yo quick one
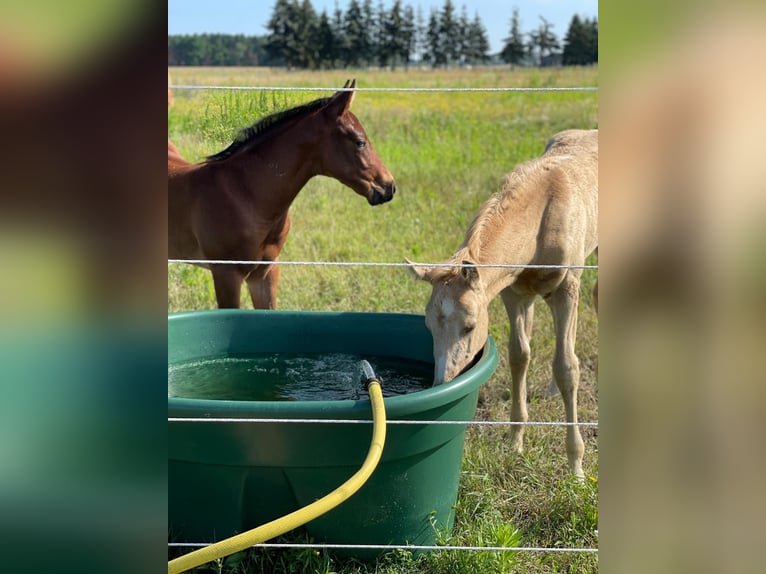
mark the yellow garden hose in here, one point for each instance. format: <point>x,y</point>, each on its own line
<point>305,514</point>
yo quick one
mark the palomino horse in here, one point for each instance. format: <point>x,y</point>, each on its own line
<point>234,206</point>
<point>546,214</point>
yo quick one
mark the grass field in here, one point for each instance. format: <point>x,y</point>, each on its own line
<point>448,152</point>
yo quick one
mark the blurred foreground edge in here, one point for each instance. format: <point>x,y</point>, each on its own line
<point>681,284</point>
<point>83,306</point>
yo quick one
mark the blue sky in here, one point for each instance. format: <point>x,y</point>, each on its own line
<point>250,16</point>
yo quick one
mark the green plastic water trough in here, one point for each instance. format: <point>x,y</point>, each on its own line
<point>225,478</point>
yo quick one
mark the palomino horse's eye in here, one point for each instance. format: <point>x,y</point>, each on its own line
<point>468,328</point>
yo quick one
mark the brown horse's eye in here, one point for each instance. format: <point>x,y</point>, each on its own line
<point>361,144</point>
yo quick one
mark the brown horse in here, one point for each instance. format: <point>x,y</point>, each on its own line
<point>234,206</point>
<point>546,214</point>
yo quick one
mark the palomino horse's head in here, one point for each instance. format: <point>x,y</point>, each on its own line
<point>349,156</point>
<point>456,315</point>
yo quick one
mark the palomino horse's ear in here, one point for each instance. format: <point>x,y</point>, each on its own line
<point>470,274</point>
<point>418,271</point>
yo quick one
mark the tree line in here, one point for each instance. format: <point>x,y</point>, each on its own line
<point>368,35</point>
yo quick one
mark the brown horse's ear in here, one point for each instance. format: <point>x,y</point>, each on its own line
<point>342,101</point>
<point>470,274</point>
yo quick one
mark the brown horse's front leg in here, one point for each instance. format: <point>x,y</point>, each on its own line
<point>262,284</point>
<point>227,280</point>
<point>264,279</point>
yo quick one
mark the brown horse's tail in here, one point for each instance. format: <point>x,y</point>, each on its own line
<point>170,93</point>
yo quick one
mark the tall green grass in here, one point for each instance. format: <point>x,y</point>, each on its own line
<point>448,152</point>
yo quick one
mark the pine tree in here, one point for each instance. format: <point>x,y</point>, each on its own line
<point>478,44</point>
<point>513,51</point>
<point>383,41</point>
<point>581,42</point>
<point>299,37</point>
<point>394,46</point>
<point>341,46</point>
<point>327,44</point>
<point>434,51</point>
<point>543,40</point>
<point>353,31</point>
<point>281,26</point>
<point>306,44</point>
<point>576,44</point>
<point>591,26</point>
<point>463,26</point>
<point>449,33</point>
<point>409,33</point>
<point>369,30</point>
<point>421,35</point>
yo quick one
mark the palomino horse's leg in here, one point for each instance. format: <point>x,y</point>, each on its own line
<point>553,388</point>
<point>521,314</point>
<point>263,287</point>
<point>566,367</point>
<point>227,280</point>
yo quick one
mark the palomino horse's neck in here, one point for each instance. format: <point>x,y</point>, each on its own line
<point>489,242</point>
<point>494,279</point>
<point>519,226</point>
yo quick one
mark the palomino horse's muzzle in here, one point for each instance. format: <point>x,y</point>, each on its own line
<point>382,193</point>
<point>471,364</point>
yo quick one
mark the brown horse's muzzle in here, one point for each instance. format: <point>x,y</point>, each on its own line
<point>382,193</point>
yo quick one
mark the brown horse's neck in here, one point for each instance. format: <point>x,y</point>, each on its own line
<point>270,176</point>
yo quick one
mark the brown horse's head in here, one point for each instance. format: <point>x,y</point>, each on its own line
<point>349,156</point>
<point>456,315</point>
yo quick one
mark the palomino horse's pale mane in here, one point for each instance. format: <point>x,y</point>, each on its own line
<point>492,210</point>
<point>262,129</point>
<point>521,180</point>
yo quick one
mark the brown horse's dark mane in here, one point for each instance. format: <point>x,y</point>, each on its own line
<point>265,127</point>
